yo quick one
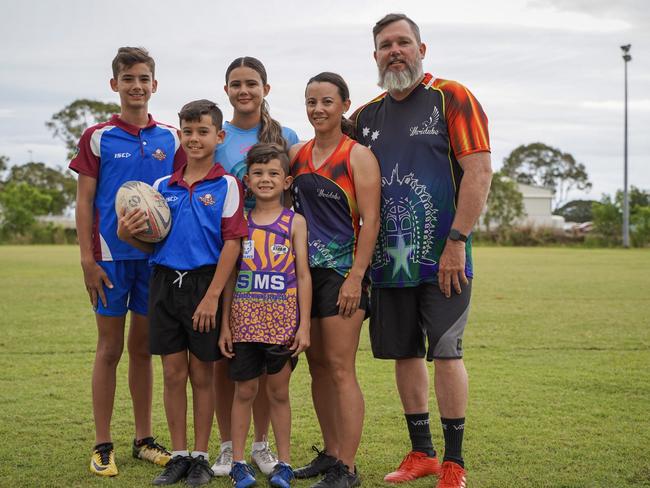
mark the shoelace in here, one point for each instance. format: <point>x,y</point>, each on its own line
<point>410,457</point>
<point>152,444</point>
<point>452,476</point>
<point>174,465</point>
<point>225,457</point>
<point>319,453</point>
<point>266,455</point>
<point>203,463</point>
<point>179,280</point>
<point>284,471</point>
<point>105,453</point>
<point>239,470</point>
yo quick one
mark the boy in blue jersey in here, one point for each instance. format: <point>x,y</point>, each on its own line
<point>130,146</point>
<point>191,268</point>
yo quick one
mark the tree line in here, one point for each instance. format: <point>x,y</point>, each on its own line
<point>34,189</point>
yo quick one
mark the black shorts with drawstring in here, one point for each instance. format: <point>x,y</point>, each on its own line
<point>173,298</point>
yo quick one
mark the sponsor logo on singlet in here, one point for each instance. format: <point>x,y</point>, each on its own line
<point>261,281</point>
<point>248,249</point>
<point>279,249</point>
<point>122,155</point>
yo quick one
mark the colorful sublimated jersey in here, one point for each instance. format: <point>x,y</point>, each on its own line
<point>232,153</point>
<point>418,142</point>
<point>325,196</point>
<point>113,153</point>
<point>204,216</point>
<point>265,303</point>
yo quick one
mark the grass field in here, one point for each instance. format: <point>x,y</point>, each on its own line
<point>558,353</point>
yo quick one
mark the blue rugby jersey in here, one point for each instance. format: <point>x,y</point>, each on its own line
<point>113,153</point>
<point>204,216</point>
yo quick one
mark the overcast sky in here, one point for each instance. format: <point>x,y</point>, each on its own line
<point>544,70</point>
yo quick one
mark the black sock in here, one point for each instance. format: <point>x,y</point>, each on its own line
<point>453,431</point>
<point>418,424</point>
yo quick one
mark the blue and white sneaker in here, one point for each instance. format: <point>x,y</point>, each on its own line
<point>281,476</point>
<point>242,475</point>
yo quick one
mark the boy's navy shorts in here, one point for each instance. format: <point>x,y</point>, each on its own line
<point>325,284</point>
<point>130,290</point>
<point>253,359</point>
<point>173,298</point>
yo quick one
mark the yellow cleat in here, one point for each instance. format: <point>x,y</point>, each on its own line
<point>149,450</point>
<point>102,463</point>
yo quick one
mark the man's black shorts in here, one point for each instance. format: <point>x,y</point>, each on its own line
<point>253,359</point>
<point>404,320</point>
<point>173,298</point>
<point>325,284</point>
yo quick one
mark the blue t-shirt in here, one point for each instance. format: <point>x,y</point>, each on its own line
<point>232,153</point>
<point>204,215</point>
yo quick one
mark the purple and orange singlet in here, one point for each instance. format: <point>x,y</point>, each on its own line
<point>265,303</point>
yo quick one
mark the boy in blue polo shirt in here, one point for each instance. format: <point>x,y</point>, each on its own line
<point>130,146</point>
<point>191,268</point>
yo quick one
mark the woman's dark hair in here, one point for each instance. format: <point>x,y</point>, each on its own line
<point>270,129</point>
<point>344,92</point>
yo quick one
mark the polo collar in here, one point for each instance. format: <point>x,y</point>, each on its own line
<point>215,172</point>
<point>132,129</point>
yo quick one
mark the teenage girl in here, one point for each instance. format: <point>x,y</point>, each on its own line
<point>246,87</point>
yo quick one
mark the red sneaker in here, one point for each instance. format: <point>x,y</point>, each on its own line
<point>415,465</point>
<point>452,475</point>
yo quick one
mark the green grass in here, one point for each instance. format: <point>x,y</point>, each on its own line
<point>557,349</point>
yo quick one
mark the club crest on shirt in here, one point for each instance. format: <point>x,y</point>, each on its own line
<point>428,127</point>
<point>248,249</point>
<point>207,199</point>
<point>159,154</point>
<point>279,249</point>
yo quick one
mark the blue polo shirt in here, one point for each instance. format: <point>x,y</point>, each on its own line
<point>204,216</point>
<point>113,153</point>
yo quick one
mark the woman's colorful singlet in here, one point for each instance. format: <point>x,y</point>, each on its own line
<point>326,198</point>
<point>265,303</point>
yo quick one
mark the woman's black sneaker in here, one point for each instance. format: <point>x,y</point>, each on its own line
<point>200,472</point>
<point>339,476</point>
<point>175,471</point>
<point>319,465</point>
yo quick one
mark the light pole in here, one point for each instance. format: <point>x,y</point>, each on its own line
<point>626,203</point>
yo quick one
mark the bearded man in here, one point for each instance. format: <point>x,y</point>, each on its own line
<point>431,139</point>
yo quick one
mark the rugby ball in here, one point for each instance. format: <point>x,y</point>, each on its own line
<point>137,194</point>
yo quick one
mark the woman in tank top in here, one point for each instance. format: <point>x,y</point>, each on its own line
<point>336,188</point>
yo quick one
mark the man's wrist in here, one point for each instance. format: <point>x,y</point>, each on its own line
<point>456,236</point>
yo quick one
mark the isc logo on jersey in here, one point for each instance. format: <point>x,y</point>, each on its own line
<point>264,281</point>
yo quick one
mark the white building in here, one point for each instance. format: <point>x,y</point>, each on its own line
<point>538,207</point>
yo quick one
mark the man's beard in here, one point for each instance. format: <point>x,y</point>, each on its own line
<point>400,80</point>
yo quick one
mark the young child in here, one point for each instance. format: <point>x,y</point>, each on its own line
<point>130,146</point>
<point>191,268</point>
<point>247,88</point>
<point>265,329</point>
